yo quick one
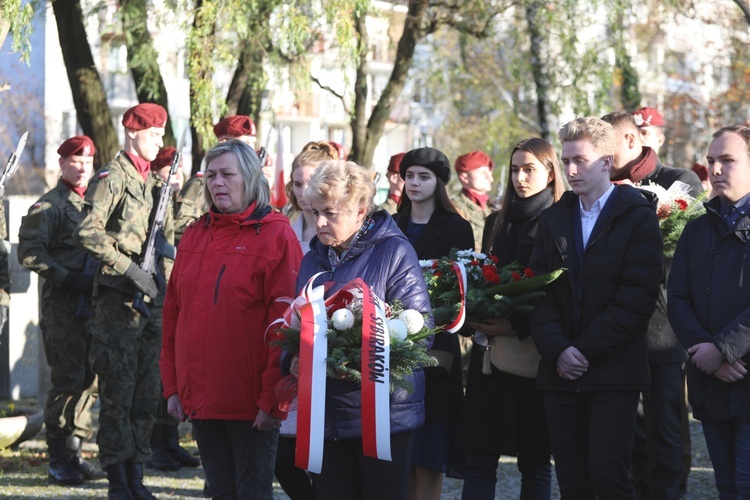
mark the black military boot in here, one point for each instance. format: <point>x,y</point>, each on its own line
<point>135,481</point>
<point>118,482</point>
<point>160,459</point>
<point>177,452</point>
<point>60,470</point>
<point>89,471</point>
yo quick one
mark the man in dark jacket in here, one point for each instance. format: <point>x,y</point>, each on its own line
<point>709,309</point>
<point>661,455</point>
<point>590,328</point>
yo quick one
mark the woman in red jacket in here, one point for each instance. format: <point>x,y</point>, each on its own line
<point>216,363</point>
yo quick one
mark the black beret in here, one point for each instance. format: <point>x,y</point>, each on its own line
<point>429,158</point>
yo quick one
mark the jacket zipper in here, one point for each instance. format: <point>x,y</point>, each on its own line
<point>218,281</point>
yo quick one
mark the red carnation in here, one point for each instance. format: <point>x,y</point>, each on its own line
<point>681,204</point>
<point>438,274</point>
<point>474,262</point>
<point>494,259</point>
<point>490,274</point>
<point>515,276</point>
<point>435,265</point>
<point>528,272</point>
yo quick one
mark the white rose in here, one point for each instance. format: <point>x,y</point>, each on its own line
<point>342,320</point>
<point>412,319</point>
<point>397,329</point>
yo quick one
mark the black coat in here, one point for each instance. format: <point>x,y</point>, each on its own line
<point>663,346</point>
<point>603,303</point>
<point>443,384</point>
<point>709,301</point>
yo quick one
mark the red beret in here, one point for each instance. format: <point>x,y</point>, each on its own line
<point>143,116</point>
<point>164,158</point>
<point>395,163</point>
<point>235,126</point>
<point>472,161</point>
<point>79,145</point>
<point>648,117</point>
<point>701,171</point>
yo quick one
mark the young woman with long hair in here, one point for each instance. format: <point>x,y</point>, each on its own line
<point>503,413</point>
<point>429,220</point>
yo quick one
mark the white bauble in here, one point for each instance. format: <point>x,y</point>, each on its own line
<point>413,320</point>
<point>342,320</point>
<point>397,329</point>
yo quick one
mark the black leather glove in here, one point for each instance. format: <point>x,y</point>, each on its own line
<point>80,281</point>
<point>142,280</point>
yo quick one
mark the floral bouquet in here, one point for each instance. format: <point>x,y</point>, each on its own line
<point>406,329</point>
<point>675,209</point>
<point>488,292</point>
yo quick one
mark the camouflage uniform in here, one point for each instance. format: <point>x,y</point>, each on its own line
<point>47,247</point>
<point>125,345</point>
<point>389,206</point>
<point>189,205</point>
<point>473,213</point>
<point>4,273</point>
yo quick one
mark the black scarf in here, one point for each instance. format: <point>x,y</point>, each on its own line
<point>520,219</point>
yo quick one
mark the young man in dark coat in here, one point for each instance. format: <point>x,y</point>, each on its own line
<point>590,328</point>
<point>709,309</point>
<point>661,455</point>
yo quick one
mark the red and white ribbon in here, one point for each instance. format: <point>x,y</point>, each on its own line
<point>376,416</point>
<point>457,323</point>
<point>311,391</point>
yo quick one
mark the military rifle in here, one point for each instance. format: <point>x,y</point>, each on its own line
<point>264,149</point>
<point>157,246</point>
<point>12,165</point>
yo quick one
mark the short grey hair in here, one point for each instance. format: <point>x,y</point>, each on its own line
<point>256,186</point>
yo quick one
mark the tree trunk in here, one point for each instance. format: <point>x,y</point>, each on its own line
<point>366,137</point>
<point>143,59</point>
<point>538,70</point>
<point>88,93</point>
<point>200,72</point>
<point>249,81</point>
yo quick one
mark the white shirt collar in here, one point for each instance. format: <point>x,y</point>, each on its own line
<point>597,206</point>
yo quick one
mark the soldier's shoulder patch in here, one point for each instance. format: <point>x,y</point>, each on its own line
<point>103,174</point>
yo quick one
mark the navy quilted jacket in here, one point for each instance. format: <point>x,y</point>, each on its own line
<point>386,261</point>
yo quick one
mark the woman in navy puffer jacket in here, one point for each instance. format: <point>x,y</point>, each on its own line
<point>354,243</point>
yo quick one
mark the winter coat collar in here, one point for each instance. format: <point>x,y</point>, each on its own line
<point>385,227</point>
<point>251,215</point>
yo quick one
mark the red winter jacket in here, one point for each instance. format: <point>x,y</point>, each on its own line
<point>229,271</point>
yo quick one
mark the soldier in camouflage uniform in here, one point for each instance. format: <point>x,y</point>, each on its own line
<point>475,175</point>
<point>166,452</point>
<point>396,184</point>
<point>47,247</point>
<point>126,343</point>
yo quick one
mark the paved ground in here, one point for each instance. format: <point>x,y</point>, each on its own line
<point>23,475</point>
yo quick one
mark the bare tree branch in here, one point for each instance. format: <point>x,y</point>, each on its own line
<point>745,7</point>
<point>317,82</point>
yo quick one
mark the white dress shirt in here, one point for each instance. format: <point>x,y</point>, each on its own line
<point>588,218</point>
